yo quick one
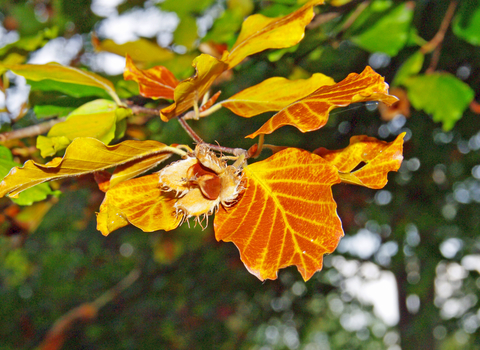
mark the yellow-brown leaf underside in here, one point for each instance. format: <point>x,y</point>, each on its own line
<point>311,112</point>
<point>380,157</point>
<point>286,215</point>
<point>83,156</point>
<point>139,202</point>
<point>274,94</point>
<point>190,90</point>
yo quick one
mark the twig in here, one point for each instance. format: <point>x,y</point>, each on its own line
<point>436,43</point>
<point>57,335</point>
<point>198,139</point>
<point>143,110</point>
<point>189,130</point>
<point>30,131</point>
<point>353,17</point>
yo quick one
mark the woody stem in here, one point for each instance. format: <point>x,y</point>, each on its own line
<point>198,139</point>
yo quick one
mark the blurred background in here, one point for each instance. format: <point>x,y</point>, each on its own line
<point>406,274</point>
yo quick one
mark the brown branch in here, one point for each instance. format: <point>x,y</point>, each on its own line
<point>435,44</point>
<point>144,110</point>
<point>57,335</point>
<point>30,131</point>
<point>198,139</point>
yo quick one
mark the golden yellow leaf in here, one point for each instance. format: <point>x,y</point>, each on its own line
<point>285,216</point>
<point>139,202</point>
<point>83,156</point>
<point>189,91</point>
<point>311,113</point>
<point>274,94</point>
<point>260,33</point>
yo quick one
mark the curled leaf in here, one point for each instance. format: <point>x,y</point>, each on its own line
<point>274,94</point>
<point>83,156</point>
<point>191,90</point>
<point>260,33</point>
<point>380,158</point>
<point>156,82</point>
<point>286,215</point>
<point>139,202</point>
<point>311,113</point>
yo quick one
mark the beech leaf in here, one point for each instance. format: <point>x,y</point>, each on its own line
<point>188,91</point>
<point>156,82</point>
<point>57,72</point>
<point>442,95</point>
<point>311,113</point>
<point>94,119</point>
<point>274,94</point>
<point>260,33</point>
<point>380,157</point>
<point>83,156</point>
<point>286,215</point>
<point>139,202</point>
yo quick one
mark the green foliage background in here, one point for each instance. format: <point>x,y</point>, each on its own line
<point>194,293</point>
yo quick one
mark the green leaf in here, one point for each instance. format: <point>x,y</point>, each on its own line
<point>186,32</point>
<point>441,95</point>
<point>95,119</point>
<point>389,34</point>
<point>29,196</point>
<point>74,90</point>
<point>412,66</point>
<point>466,24</point>
<point>185,6</point>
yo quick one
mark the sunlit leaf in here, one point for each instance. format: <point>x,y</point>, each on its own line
<point>442,95</point>
<point>380,158</point>
<point>95,119</point>
<point>136,167</point>
<point>260,33</point>
<point>139,202</point>
<point>83,156</point>
<point>208,68</point>
<point>156,82</point>
<point>286,215</point>
<point>311,112</point>
<point>141,50</point>
<point>57,72</point>
<point>274,94</point>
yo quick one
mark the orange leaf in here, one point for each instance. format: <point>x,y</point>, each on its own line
<point>380,157</point>
<point>84,155</point>
<point>156,82</point>
<point>286,215</point>
<point>210,102</point>
<point>260,33</point>
<point>190,90</point>
<point>311,112</point>
<point>139,202</point>
<point>274,94</point>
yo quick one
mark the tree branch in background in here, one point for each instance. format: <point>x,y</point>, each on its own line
<point>436,43</point>
<point>30,131</point>
<point>57,335</point>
